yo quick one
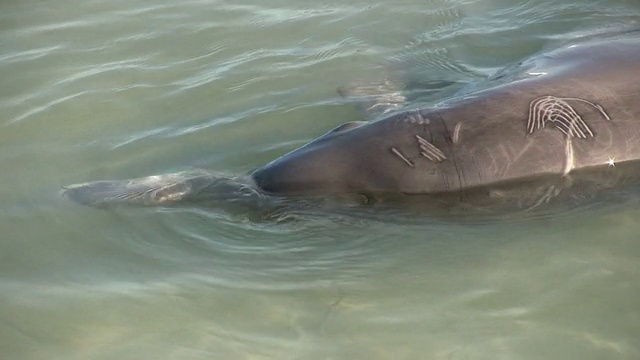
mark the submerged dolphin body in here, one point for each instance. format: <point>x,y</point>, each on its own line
<point>565,121</point>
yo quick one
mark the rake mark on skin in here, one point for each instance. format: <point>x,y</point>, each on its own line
<point>402,157</point>
<point>559,111</point>
<point>430,151</point>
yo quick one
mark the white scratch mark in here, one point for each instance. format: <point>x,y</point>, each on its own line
<point>569,158</point>
<point>430,151</point>
<point>456,133</point>
<point>401,156</point>
<point>558,111</point>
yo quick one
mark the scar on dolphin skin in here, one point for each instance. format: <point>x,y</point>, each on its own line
<point>402,157</point>
<point>456,133</point>
<point>430,151</point>
<point>417,118</point>
<point>558,111</point>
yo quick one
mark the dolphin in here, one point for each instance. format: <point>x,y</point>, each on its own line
<point>562,122</point>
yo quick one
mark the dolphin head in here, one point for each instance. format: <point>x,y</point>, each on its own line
<point>325,165</point>
<point>354,158</point>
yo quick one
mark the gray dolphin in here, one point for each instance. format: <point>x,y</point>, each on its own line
<point>565,121</point>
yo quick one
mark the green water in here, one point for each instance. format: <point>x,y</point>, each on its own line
<point>117,89</point>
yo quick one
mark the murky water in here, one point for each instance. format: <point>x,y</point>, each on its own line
<point>118,89</point>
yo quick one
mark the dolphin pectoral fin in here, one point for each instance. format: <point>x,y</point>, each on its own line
<point>375,98</point>
<point>151,190</point>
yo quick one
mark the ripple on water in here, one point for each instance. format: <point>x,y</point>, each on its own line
<point>267,255</point>
<point>116,89</point>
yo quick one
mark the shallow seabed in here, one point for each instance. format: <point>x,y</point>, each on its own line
<point>118,89</point>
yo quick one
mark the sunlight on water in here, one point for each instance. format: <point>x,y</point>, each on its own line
<point>121,89</point>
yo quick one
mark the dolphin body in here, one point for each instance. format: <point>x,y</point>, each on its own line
<point>564,122</point>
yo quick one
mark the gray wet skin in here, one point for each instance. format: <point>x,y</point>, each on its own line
<point>558,115</point>
<point>567,110</point>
